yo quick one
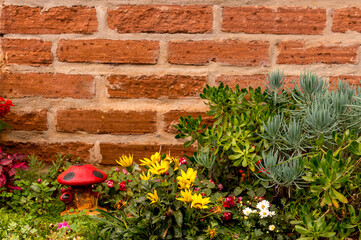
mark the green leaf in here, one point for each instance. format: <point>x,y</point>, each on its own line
<point>178,215</point>
<point>237,191</point>
<point>355,148</point>
<point>328,234</point>
<point>339,196</point>
<point>301,229</point>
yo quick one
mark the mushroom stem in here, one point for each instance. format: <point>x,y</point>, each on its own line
<point>83,197</point>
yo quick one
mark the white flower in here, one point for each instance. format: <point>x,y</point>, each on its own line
<point>263,205</point>
<point>247,211</point>
<point>271,227</point>
<point>264,213</point>
<point>272,213</point>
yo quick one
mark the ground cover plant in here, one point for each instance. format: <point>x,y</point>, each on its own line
<point>274,164</point>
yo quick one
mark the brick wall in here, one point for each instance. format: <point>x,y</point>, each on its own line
<point>98,79</point>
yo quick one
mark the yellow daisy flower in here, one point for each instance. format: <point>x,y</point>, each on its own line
<point>145,177</point>
<point>159,169</point>
<point>186,179</point>
<point>125,161</point>
<point>153,159</point>
<point>199,202</point>
<point>153,197</point>
<point>186,196</point>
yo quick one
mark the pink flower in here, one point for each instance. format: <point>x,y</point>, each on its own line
<point>196,189</point>
<point>203,194</point>
<point>226,216</point>
<point>64,224</point>
<point>220,187</point>
<point>240,199</point>
<point>229,202</point>
<point>167,172</point>
<point>110,183</point>
<point>39,180</point>
<point>116,169</point>
<point>182,160</point>
<point>129,180</point>
<point>125,171</point>
<point>211,181</point>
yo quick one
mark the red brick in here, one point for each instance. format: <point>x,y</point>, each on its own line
<point>27,51</point>
<point>297,52</point>
<point>47,151</point>
<point>115,122</point>
<point>161,19</point>
<point>230,52</point>
<point>111,151</point>
<point>346,19</point>
<point>172,118</point>
<point>27,121</point>
<point>57,20</point>
<point>47,85</point>
<point>108,51</point>
<point>254,81</point>
<point>171,86</point>
<point>283,20</point>
<point>352,80</point>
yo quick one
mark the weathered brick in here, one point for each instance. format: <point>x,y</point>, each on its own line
<point>172,118</point>
<point>171,86</point>
<point>351,79</point>
<point>297,52</point>
<point>27,51</point>
<point>246,81</point>
<point>56,20</point>
<point>47,151</point>
<point>47,85</point>
<point>108,51</point>
<point>283,20</point>
<point>230,52</point>
<point>27,121</point>
<point>115,122</point>
<point>161,19</point>
<point>110,151</point>
<point>346,19</point>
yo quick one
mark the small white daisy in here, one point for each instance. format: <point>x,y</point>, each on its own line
<point>247,211</point>
<point>264,213</point>
<point>271,227</point>
<point>272,213</point>
<point>263,205</point>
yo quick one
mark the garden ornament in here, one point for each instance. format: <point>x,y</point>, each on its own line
<point>79,195</point>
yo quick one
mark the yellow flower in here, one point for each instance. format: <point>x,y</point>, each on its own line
<point>153,159</point>
<point>125,161</point>
<point>199,202</point>
<point>145,177</point>
<point>159,169</point>
<point>186,196</point>
<point>176,164</point>
<point>153,197</point>
<point>186,180</point>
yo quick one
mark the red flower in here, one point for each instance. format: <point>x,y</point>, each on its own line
<point>5,107</point>
<point>229,202</point>
<point>123,186</point>
<point>226,216</point>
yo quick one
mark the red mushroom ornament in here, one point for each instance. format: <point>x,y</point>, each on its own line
<point>81,177</point>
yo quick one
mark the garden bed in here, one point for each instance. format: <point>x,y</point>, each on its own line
<point>273,164</point>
